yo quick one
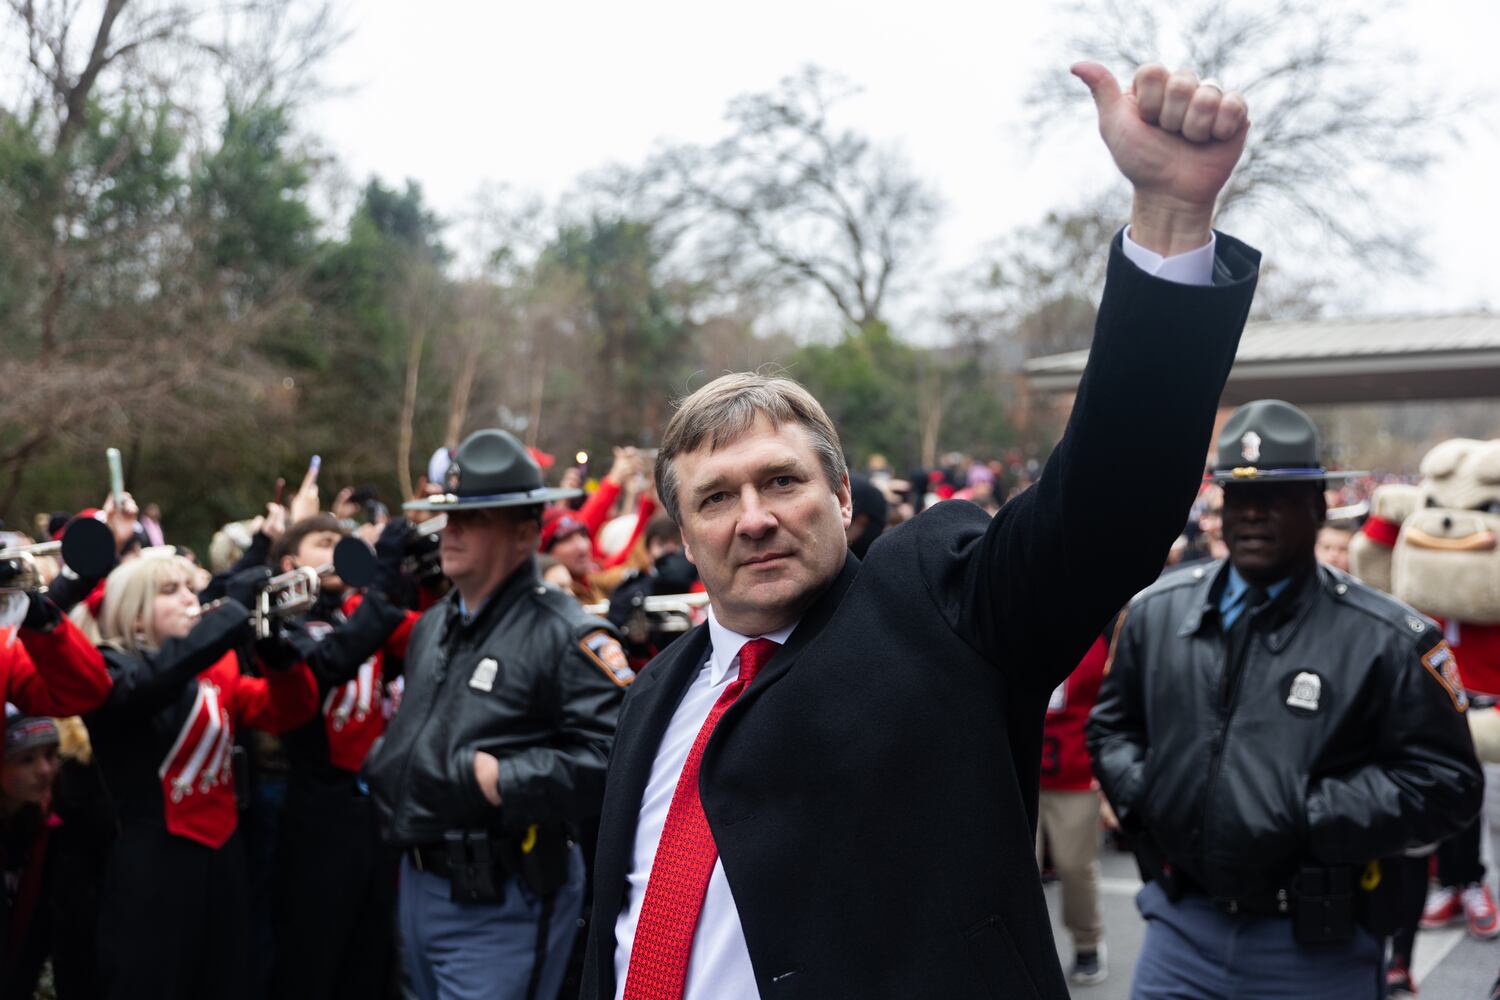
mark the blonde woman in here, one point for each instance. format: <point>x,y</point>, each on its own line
<point>173,919</point>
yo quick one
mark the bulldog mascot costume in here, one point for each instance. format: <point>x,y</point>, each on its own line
<point>1434,547</point>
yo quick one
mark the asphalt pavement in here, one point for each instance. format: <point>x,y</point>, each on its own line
<point>1449,964</point>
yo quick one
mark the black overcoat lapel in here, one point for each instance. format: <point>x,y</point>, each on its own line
<point>652,700</point>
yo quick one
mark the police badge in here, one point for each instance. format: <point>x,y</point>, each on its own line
<point>1250,447</point>
<point>1306,692</point>
<point>483,678</point>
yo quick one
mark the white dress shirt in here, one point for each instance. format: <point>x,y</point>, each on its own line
<point>720,964</point>
<point>719,968</point>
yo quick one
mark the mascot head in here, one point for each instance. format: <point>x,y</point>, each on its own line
<point>1370,549</point>
<point>1446,561</point>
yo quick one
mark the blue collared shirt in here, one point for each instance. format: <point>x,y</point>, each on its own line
<point>1232,601</point>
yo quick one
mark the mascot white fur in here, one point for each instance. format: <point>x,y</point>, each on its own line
<point>1435,547</point>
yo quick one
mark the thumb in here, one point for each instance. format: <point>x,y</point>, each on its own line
<point>1101,83</point>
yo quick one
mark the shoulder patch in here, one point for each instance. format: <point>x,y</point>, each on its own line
<point>1114,641</point>
<point>1440,663</point>
<point>606,653</point>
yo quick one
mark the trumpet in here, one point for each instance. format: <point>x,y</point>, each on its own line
<point>19,569</point>
<point>661,613</point>
<point>282,597</point>
<point>87,548</point>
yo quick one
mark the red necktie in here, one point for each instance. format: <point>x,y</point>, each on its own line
<point>685,858</point>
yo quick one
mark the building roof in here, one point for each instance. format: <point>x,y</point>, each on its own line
<point>1342,360</point>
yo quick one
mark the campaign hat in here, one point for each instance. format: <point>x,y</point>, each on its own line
<point>491,468</point>
<point>1271,441</point>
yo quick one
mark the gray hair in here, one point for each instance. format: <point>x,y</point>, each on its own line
<point>724,409</point>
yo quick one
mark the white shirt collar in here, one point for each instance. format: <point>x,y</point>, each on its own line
<point>727,644</point>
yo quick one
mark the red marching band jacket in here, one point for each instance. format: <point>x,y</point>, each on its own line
<point>197,780</point>
<point>355,713</point>
<point>52,673</point>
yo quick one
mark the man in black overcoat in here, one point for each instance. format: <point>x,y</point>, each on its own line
<point>829,789</point>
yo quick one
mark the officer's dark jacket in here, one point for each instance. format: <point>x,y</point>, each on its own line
<point>1337,738</point>
<point>873,793</point>
<point>546,708</point>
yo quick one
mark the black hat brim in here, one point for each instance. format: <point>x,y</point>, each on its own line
<point>448,501</point>
<point>1251,475</point>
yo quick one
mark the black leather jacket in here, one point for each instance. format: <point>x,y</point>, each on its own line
<point>532,680</point>
<point>1336,736</point>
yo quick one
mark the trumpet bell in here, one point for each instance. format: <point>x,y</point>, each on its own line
<point>87,547</point>
<point>292,593</point>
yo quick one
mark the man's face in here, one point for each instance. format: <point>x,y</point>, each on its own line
<point>316,550</point>
<point>658,547</point>
<point>1271,529</point>
<point>1333,547</point>
<point>762,526</point>
<point>576,552</point>
<point>480,548</point>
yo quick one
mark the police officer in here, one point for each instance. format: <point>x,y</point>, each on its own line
<point>499,747</point>
<point>1273,733</point>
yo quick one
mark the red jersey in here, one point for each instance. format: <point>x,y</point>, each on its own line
<point>1065,753</point>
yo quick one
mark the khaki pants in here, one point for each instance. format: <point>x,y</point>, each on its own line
<point>1069,827</point>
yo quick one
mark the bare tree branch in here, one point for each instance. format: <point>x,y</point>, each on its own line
<point>790,198</point>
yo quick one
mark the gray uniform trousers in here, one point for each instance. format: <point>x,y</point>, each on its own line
<point>1194,951</point>
<point>488,951</point>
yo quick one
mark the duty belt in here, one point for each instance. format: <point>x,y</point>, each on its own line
<point>431,858</point>
<point>1276,902</point>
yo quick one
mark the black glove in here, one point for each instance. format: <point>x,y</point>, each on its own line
<point>41,614</point>
<point>276,651</point>
<point>390,551</point>
<point>246,585</point>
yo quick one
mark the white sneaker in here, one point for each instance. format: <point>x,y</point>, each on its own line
<point>1089,967</point>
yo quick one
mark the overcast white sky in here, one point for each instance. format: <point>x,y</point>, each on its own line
<point>533,95</point>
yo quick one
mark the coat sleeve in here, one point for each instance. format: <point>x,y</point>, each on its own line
<point>256,555</point>
<point>1117,738</point>
<point>335,659</point>
<point>1425,783</point>
<point>153,682</point>
<point>1057,561</point>
<point>68,591</point>
<point>595,510</point>
<point>279,701</point>
<point>55,671</point>
<point>643,513</point>
<point>563,780</point>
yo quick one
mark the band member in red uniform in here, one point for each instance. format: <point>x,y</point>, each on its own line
<point>173,908</point>
<point>335,883</point>
<point>1068,827</point>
